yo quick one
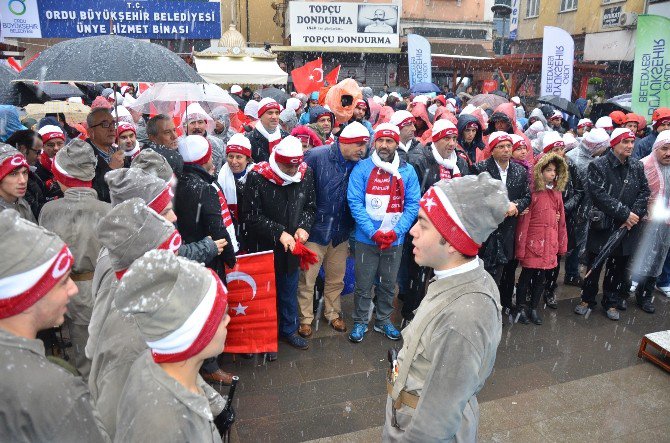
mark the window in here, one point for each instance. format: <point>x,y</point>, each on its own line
<point>532,8</point>
<point>568,5</point>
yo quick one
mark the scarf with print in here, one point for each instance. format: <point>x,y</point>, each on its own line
<point>385,192</point>
<point>270,170</point>
<point>448,167</point>
<point>273,138</point>
<point>226,215</point>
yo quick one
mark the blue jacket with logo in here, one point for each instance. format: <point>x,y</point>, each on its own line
<point>365,226</point>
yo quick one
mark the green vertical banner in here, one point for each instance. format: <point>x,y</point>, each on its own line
<point>651,75</point>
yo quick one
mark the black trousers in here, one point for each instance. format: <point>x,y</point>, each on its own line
<point>615,284</point>
<point>504,276</point>
<point>645,289</point>
<point>551,277</point>
<point>530,288</point>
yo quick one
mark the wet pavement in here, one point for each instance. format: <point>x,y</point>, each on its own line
<point>584,370</point>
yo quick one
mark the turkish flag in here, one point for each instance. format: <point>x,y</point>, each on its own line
<point>308,78</point>
<point>252,305</point>
<point>331,77</point>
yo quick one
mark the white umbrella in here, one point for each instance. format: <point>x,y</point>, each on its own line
<point>165,97</point>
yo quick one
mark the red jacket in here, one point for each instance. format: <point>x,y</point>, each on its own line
<point>539,237</point>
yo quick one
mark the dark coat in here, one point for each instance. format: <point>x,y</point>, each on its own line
<point>499,247</point>
<point>605,183</point>
<point>35,194</point>
<point>51,188</point>
<point>478,143</point>
<point>267,210</point>
<point>199,214</point>
<point>260,148</point>
<point>172,156</point>
<point>427,169</point>
<point>102,168</point>
<point>414,146</point>
<point>573,197</point>
<point>332,220</point>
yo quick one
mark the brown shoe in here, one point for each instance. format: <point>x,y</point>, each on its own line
<point>305,331</point>
<point>220,376</point>
<point>339,325</point>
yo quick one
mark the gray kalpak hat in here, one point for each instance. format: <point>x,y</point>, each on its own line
<point>127,183</point>
<point>132,228</point>
<point>465,210</point>
<point>153,163</point>
<point>177,304</point>
<point>10,159</point>
<point>74,165</point>
<point>32,261</point>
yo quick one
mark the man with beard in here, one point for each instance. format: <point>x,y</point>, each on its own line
<point>163,140</point>
<point>197,122</point>
<point>53,139</point>
<point>383,197</point>
<point>101,137</point>
<point>322,121</point>
<point>406,124</point>
<point>266,134</point>
<point>362,115</point>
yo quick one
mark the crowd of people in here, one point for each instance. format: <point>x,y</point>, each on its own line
<point>114,218</point>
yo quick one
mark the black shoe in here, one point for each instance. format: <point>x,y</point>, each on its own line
<point>621,304</point>
<point>550,300</point>
<point>535,317</point>
<point>296,341</point>
<point>573,280</point>
<point>647,306</point>
<point>523,318</point>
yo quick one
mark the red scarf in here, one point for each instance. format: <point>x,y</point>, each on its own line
<point>45,161</point>
<point>226,217</point>
<point>445,174</point>
<point>382,184</point>
<point>264,169</point>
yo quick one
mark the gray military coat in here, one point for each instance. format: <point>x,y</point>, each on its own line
<point>155,407</point>
<point>453,359</point>
<point>40,401</point>
<point>21,206</point>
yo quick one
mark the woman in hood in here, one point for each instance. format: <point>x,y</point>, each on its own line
<point>503,118</point>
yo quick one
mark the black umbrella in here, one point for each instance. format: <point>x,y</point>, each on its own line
<point>561,103</point>
<point>277,94</point>
<point>601,109</point>
<point>6,92</point>
<point>108,59</point>
<point>607,248</point>
<point>240,101</point>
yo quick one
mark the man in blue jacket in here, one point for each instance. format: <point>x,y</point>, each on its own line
<point>383,198</point>
<point>332,165</point>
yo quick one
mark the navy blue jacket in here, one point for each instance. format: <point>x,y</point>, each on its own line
<point>332,220</point>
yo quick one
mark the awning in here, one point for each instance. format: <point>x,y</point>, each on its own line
<point>335,49</point>
<point>459,50</point>
<point>244,70</point>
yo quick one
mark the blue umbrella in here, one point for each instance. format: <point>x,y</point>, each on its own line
<point>425,87</point>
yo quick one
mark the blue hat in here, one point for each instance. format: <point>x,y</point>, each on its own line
<point>314,95</point>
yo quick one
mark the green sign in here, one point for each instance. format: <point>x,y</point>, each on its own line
<point>651,75</point>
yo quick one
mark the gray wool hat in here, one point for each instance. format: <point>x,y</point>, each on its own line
<point>177,303</point>
<point>127,183</point>
<point>130,229</point>
<point>153,163</point>
<point>75,163</point>
<point>475,204</point>
<point>26,247</point>
<point>7,151</point>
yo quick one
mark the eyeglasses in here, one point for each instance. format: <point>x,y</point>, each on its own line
<point>105,124</point>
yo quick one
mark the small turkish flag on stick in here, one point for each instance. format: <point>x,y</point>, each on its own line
<point>308,78</point>
<point>331,77</point>
<point>252,305</point>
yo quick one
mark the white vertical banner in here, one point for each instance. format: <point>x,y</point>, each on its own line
<point>558,55</point>
<point>514,19</point>
<point>20,19</point>
<point>419,59</point>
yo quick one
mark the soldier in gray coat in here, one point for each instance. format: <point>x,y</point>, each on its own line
<point>14,181</point>
<point>127,232</point>
<point>180,308</point>
<point>450,346</point>
<point>39,401</point>
<point>74,218</point>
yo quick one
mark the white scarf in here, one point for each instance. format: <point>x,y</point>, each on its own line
<point>276,135</point>
<point>227,181</point>
<point>288,179</point>
<point>391,168</point>
<point>449,163</point>
<point>136,150</point>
